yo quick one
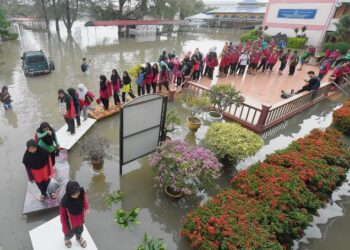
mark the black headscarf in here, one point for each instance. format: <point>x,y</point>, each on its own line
<point>155,70</point>
<point>148,69</point>
<point>115,77</point>
<point>126,79</point>
<point>48,139</point>
<point>103,82</point>
<point>74,206</point>
<point>66,98</point>
<point>36,160</point>
<point>74,95</point>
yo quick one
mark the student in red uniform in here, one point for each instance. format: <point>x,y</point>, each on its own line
<point>254,61</point>
<point>149,77</point>
<point>211,61</point>
<point>86,97</point>
<point>73,209</point>
<point>334,56</point>
<point>163,78</point>
<point>234,57</point>
<point>223,64</point>
<point>346,68</point>
<point>271,61</point>
<point>39,167</point>
<point>338,74</point>
<point>66,108</point>
<point>105,91</point>
<point>116,84</point>
<point>265,54</point>
<point>155,70</point>
<point>196,67</point>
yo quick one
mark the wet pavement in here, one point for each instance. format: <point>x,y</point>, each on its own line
<point>35,101</point>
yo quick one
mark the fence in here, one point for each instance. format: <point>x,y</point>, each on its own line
<point>259,119</point>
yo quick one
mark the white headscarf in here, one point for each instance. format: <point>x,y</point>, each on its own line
<point>82,91</point>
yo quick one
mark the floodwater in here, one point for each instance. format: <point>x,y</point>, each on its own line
<point>35,101</point>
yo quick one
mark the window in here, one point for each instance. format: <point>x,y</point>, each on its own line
<point>36,59</point>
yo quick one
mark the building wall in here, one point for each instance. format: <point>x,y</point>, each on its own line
<point>316,26</point>
<point>245,15</point>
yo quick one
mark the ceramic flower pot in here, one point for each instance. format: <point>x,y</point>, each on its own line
<point>194,123</point>
<point>214,116</point>
<point>172,193</point>
<point>97,165</point>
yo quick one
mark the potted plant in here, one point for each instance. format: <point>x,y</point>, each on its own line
<point>222,97</point>
<point>232,143</point>
<point>150,243</point>
<point>197,103</point>
<point>171,119</point>
<point>181,168</point>
<point>95,149</point>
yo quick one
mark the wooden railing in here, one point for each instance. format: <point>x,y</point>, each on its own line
<point>259,119</point>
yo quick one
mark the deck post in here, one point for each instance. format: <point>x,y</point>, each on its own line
<point>263,116</point>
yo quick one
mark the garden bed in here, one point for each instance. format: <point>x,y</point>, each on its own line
<point>271,203</point>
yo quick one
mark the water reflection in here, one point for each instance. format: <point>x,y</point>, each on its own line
<point>97,190</point>
<point>11,118</point>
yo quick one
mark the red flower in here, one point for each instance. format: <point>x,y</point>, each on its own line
<point>211,230</point>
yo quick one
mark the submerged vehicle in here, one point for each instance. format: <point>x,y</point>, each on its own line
<point>35,62</point>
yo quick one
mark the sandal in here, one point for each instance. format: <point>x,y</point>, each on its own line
<point>42,198</point>
<point>53,196</point>
<point>68,243</point>
<point>82,242</point>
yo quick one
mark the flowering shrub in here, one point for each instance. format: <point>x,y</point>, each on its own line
<point>231,142</point>
<point>341,118</point>
<point>271,203</point>
<point>183,167</point>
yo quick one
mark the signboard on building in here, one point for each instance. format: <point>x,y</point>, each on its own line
<point>297,13</point>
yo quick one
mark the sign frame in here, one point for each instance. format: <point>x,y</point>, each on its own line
<point>297,13</point>
<point>161,126</point>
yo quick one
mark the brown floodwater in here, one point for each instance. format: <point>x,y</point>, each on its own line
<point>35,101</point>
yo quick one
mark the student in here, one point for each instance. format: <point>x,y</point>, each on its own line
<point>47,140</point>
<point>164,78</point>
<point>312,84</point>
<point>163,56</point>
<point>234,57</point>
<point>243,62</point>
<point>254,61</point>
<point>155,77</point>
<point>67,110</point>
<point>84,66</point>
<point>334,56</point>
<point>324,69</point>
<point>303,59</point>
<point>73,209</point>
<point>149,77</point>
<point>116,83</point>
<point>126,86</point>
<point>211,61</point>
<point>86,97</point>
<point>178,78</point>
<point>265,54</point>
<point>104,92</point>
<point>140,81</point>
<point>282,44</point>
<point>39,167</point>
<point>196,68</point>
<point>73,93</point>
<point>5,98</point>
<point>224,64</point>
<point>271,61</point>
<point>338,74</point>
<point>284,59</point>
<point>293,62</point>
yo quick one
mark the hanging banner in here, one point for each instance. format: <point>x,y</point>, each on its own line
<point>297,13</point>
<point>141,125</point>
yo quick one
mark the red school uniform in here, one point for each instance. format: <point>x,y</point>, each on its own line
<point>255,58</point>
<point>224,61</point>
<point>327,53</point>
<point>346,69</point>
<point>89,97</point>
<point>149,78</point>
<point>338,73</point>
<point>71,111</point>
<point>272,59</point>
<point>196,66</point>
<point>70,221</point>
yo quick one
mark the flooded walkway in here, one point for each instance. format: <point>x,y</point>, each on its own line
<point>35,101</point>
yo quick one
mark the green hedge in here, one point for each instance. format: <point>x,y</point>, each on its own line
<point>251,35</point>
<point>296,42</point>
<point>342,46</point>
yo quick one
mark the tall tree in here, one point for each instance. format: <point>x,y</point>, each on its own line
<point>69,13</point>
<point>57,12</point>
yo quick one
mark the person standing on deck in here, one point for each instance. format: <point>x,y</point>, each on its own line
<point>47,140</point>
<point>155,77</point>
<point>73,93</point>
<point>243,62</point>
<point>37,162</point>
<point>104,92</point>
<point>293,62</point>
<point>116,83</point>
<point>67,110</point>
<point>140,81</point>
<point>126,89</point>
<point>284,60</point>
<point>148,77</point>
<point>233,60</point>
<point>86,97</point>
<point>265,54</point>
<point>73,209</point>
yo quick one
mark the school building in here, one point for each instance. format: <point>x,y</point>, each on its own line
<point>318,16</point>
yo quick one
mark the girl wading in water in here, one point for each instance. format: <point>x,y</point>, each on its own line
<point>47,140</point>
<point>74,206</point>
<point>39,167</point>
